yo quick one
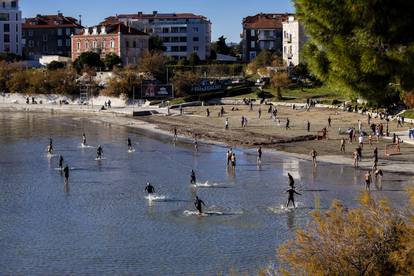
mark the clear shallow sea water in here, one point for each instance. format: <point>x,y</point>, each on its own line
<point>103,224</point>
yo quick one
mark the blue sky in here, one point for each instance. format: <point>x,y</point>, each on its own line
<point>225,15</point>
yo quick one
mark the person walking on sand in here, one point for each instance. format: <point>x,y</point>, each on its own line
<point>260,112</point>
<point>208,112</point>
<point>314,154</point>
<point>361,140</point>
<point>368,181</point>
<point>342,145</point>
<point>359,126</point>
<point>329,121</point>
<point>287,123</point>
<point>226,124</point>
<point>308,125</point>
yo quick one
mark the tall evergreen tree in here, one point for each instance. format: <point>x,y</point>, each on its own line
<point>363,47</point>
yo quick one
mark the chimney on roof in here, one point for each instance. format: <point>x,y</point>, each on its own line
<point>80,19</point>
<point>140,13</point>
<point>154,13</point>
<point>38,15</point>
<point>60,14</point>
<point>103,30</point>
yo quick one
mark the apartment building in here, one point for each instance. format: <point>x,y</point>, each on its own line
<point>49,35</point>
<point>262,31</point>
<point>126,42</point>
<point>10,27</point>
<point>181,33</point>
<point>294,37</point>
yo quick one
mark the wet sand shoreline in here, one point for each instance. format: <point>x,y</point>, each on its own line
<point>295,144</point>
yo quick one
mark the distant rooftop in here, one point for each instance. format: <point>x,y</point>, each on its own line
<point>266,21</point>
<point>115,29</point>
<point>51,21</point>
<point>155,15</point>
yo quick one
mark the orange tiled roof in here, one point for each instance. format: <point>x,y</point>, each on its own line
<point>265,21</point>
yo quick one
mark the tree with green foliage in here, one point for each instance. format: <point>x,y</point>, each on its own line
<point>154,62</point>
<point>183,82</point>
<point>54,65</point>
<point>361,47</point>
<point>156,44</point>
<point>87,61</point>
<point>193,59</point>
<point>220,46</point>
<point>111,60</point>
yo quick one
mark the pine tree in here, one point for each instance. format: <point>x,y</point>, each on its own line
<point>362,47</point>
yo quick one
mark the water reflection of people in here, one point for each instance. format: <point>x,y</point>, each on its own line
<point>291,221</point>
<point>66,182</point>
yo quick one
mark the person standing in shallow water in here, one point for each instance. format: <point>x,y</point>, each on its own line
<point>198,204</point>
<point>368,181</point>
<point>129,144</point>
<point>66,174</point>
<point>99,152</point>
<point>61,162</point>
<point>193,179</point>
<point>50,147</point>
<point>149,188</point>
<point>84,139</point>
<point>314,154</point>
<point>259,155</point>
<point>291,197</point>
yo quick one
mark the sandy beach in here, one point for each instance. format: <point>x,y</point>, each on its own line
<point>271,134</point>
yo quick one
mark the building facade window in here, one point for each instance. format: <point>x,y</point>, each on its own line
<point>196,39</point>
<point>78,45</point>
<point>252,33</point>
<point>59,42</point>
<point>195,48</point>
<point>95,44</point>
<point>59,32</point>
<point>6,28</point>
<point>134,44</point>
<point>45,37</point>
<point>30,33</point>
<point>31,43</point>
<point>195,29</point>
<point>86,45</point>
<point>112,44</point>
<point>14,4</point>
<point>68,32</point>
<point>6,38</point>
<point>252,44</point>
<point>103,44</point>
<point>67,42</point>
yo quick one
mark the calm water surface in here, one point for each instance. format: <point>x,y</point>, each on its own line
<point>104,225</point>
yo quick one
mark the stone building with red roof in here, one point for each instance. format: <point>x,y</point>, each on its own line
<point>126,42</point>
<point>49,35</point>
<point>262,31</point>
